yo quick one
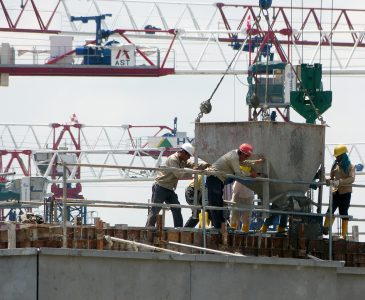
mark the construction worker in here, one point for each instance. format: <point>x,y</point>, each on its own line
<point>342,176</point>
<point>281,228</point>
<point>163,190</point>
<point>189,196</point>
<point>242,197</point>
<point>229,163</point>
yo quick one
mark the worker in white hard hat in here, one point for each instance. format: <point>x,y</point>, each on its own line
<point>229,163</point>
<point>163,189</point>
<point>341,177</point>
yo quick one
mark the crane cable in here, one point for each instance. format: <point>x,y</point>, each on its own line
<point>254,99</point>
<point>206,106</point>
<point>331,46</point>
<point>265,109</point>
<point>265,114</point>
<point>320,34</point>
<point>319,116</point>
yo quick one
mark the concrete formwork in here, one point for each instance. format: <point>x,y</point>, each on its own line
<point>90,274</point>
<point>293,151</point>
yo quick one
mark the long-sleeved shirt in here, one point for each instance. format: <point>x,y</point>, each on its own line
<point>192,183</point>
<point>229,163</point>
<point>344,179</point>
<point>169,179</point>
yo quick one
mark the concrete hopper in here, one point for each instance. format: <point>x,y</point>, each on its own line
<point>292,151</point>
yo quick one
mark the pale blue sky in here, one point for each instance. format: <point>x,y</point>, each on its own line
<point>151,101</point>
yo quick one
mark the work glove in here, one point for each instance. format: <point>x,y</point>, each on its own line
<point>260,161</point>
<point>335,183</point>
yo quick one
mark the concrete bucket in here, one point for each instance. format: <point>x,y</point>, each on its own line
<point>293,151</point>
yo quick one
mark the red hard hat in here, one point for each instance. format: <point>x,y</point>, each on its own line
<point>246,149</point>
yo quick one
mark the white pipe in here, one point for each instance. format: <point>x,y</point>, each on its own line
<point>111,239</point>
<point>206,249</point>
<point>142,179</point>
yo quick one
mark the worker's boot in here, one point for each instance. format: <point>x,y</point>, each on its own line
<point>263,228</point>
<point>207,221</point>
<point>280,229</point>
<point>345,224</point>
<point>245,228</point>
<point>326,224</point>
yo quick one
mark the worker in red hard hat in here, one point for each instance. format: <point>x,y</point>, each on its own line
<point>163,189</point>
<point>246,149</point>
<point>229,163</point>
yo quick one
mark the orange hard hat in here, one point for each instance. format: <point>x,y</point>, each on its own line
<point>246,149</point>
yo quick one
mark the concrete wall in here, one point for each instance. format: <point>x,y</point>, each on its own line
<point>352,283</point>
<point>90,274</point>
<point>18,274</point>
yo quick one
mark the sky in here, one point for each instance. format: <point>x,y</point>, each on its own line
<point>156,101</point>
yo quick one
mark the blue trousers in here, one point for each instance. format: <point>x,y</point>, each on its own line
<point>215,198</point>
<point>342,202</point>
<point>270,220</point>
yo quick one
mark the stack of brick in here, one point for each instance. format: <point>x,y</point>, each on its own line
<point>92,237</point>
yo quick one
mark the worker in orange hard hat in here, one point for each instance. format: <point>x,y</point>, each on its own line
<point>341,177</point>
<point>229,163</point>
<point>163,190</point>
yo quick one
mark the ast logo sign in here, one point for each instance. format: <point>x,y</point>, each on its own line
<point>124,56</point>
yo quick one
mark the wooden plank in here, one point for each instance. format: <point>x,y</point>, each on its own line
<point>11,235</point>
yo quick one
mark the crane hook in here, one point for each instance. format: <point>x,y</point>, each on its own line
<point>205,108</point>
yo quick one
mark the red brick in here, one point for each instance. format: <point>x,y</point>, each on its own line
<point>186,237</point>
<point>133,235</point>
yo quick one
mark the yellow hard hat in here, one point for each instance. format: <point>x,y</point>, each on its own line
<point>246,169</point>
<point>339,149</point>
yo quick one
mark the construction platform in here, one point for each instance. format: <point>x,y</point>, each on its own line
<point>39,267</point>
<point>267,245</point>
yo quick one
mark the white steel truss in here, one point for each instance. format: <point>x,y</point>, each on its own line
<point>99,144</point>
<point>202,45</point>
<point>105,145</point>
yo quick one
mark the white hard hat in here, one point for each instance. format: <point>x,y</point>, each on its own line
<point>188,148</point>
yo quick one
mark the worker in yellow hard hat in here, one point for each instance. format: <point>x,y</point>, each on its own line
<point>341,177</point>
<point>242,197</point>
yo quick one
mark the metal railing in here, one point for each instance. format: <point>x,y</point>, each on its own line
<point>204,207</point>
